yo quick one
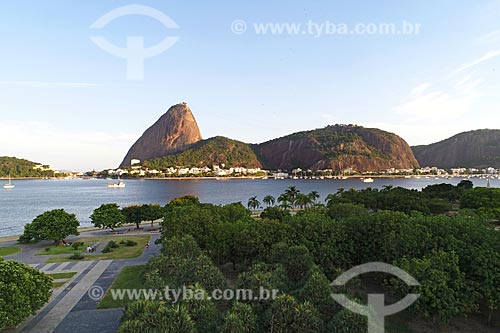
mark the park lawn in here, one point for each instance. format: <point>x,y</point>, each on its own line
<point>58,284</point>
<point>8,250</point>
<point>65,275</point>
<point>122,252</point>
<point>131,277</point>
<point>56,249</point>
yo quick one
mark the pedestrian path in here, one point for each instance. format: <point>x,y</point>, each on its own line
<point>71,308</point>
<point>62,302</point>
<point>58,267</point>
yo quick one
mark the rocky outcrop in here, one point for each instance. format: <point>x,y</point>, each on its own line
<point>175,140</point>
<point>474,149</point>
<point>175,131</point>
<point>338,147</point>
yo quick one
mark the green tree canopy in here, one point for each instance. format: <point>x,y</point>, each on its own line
<point>23,290</point>
<point>52,225</point>
<point>108,216</point>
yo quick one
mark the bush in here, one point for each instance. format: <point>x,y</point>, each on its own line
<point>112,244</point>
<point>130,243</point>
<point>107,249</point>
<point>76,245</point>
<point>77,256</point>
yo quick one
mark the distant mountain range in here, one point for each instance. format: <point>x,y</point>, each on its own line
<point>175,140</point>
<point>474,149</point>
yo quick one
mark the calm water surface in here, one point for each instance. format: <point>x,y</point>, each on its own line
<point>32,197</point>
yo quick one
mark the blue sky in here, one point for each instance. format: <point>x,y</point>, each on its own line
<point>66,102</point>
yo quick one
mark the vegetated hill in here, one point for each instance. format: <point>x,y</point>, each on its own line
<point>213,151</point>
<point>174,140</point>
<point>474,149</point>
<point>173,132</point>
<point>18,167</point>
<point>338,147</point>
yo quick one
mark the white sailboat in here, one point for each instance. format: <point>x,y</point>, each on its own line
<point>120,184</point>
<point>9,185</point>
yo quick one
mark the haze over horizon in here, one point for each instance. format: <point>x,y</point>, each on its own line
<point>67,102</point>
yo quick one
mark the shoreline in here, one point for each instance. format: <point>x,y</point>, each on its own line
<point>5,239</point>
<point>325,178</point>
<point>272,178</point>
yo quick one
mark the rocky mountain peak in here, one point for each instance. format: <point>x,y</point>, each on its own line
<point>175,131</point>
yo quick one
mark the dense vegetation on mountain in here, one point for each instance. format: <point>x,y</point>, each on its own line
<point>338,147</point>
<point>213,151</point>
<point>455,258</point>
<point>17,167</point>
<point>474,149</point>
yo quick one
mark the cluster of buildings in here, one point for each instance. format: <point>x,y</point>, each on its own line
<point>48,170</point>
<point>136,169</point>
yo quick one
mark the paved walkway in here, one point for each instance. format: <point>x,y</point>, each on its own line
<point>70,308</point>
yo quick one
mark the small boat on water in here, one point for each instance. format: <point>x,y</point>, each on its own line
<point>9,185</point>
<point>367,180</point>
<point>120,184</point>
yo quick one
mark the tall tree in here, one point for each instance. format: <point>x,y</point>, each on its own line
<point>269,200</point>
<point>53,225</point>
<point>151,212</point>
<point>133,214</point>
<point>303,200</point>
<point>253,203</point>
<point>108,216</point>
<point>292,193</point>
<point>314,196</point>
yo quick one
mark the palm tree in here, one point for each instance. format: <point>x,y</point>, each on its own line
<point>303,200</point>
<point>314,195</point>
<point>292,192</point>
<point>387,188</point>
<point>285,205</point>
<point>333,196</point>
<point>269,200</point>
<point>253,203</point>
<point>285,201</point>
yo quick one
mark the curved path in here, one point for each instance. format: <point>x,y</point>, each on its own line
<point>70,309</point>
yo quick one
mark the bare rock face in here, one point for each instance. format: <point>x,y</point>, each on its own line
<point>474,149</point>
<point>338,147</point>
<point>174,132</point>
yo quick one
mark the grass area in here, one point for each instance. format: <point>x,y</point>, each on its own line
<point>8,250</point>
<point>131,277</point>
<point>56,249</point>
<point>66,275</point>
<point>58,284</point>
<point>122,252</point>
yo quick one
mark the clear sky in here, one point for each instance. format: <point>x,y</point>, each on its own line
<point>66,102</point>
